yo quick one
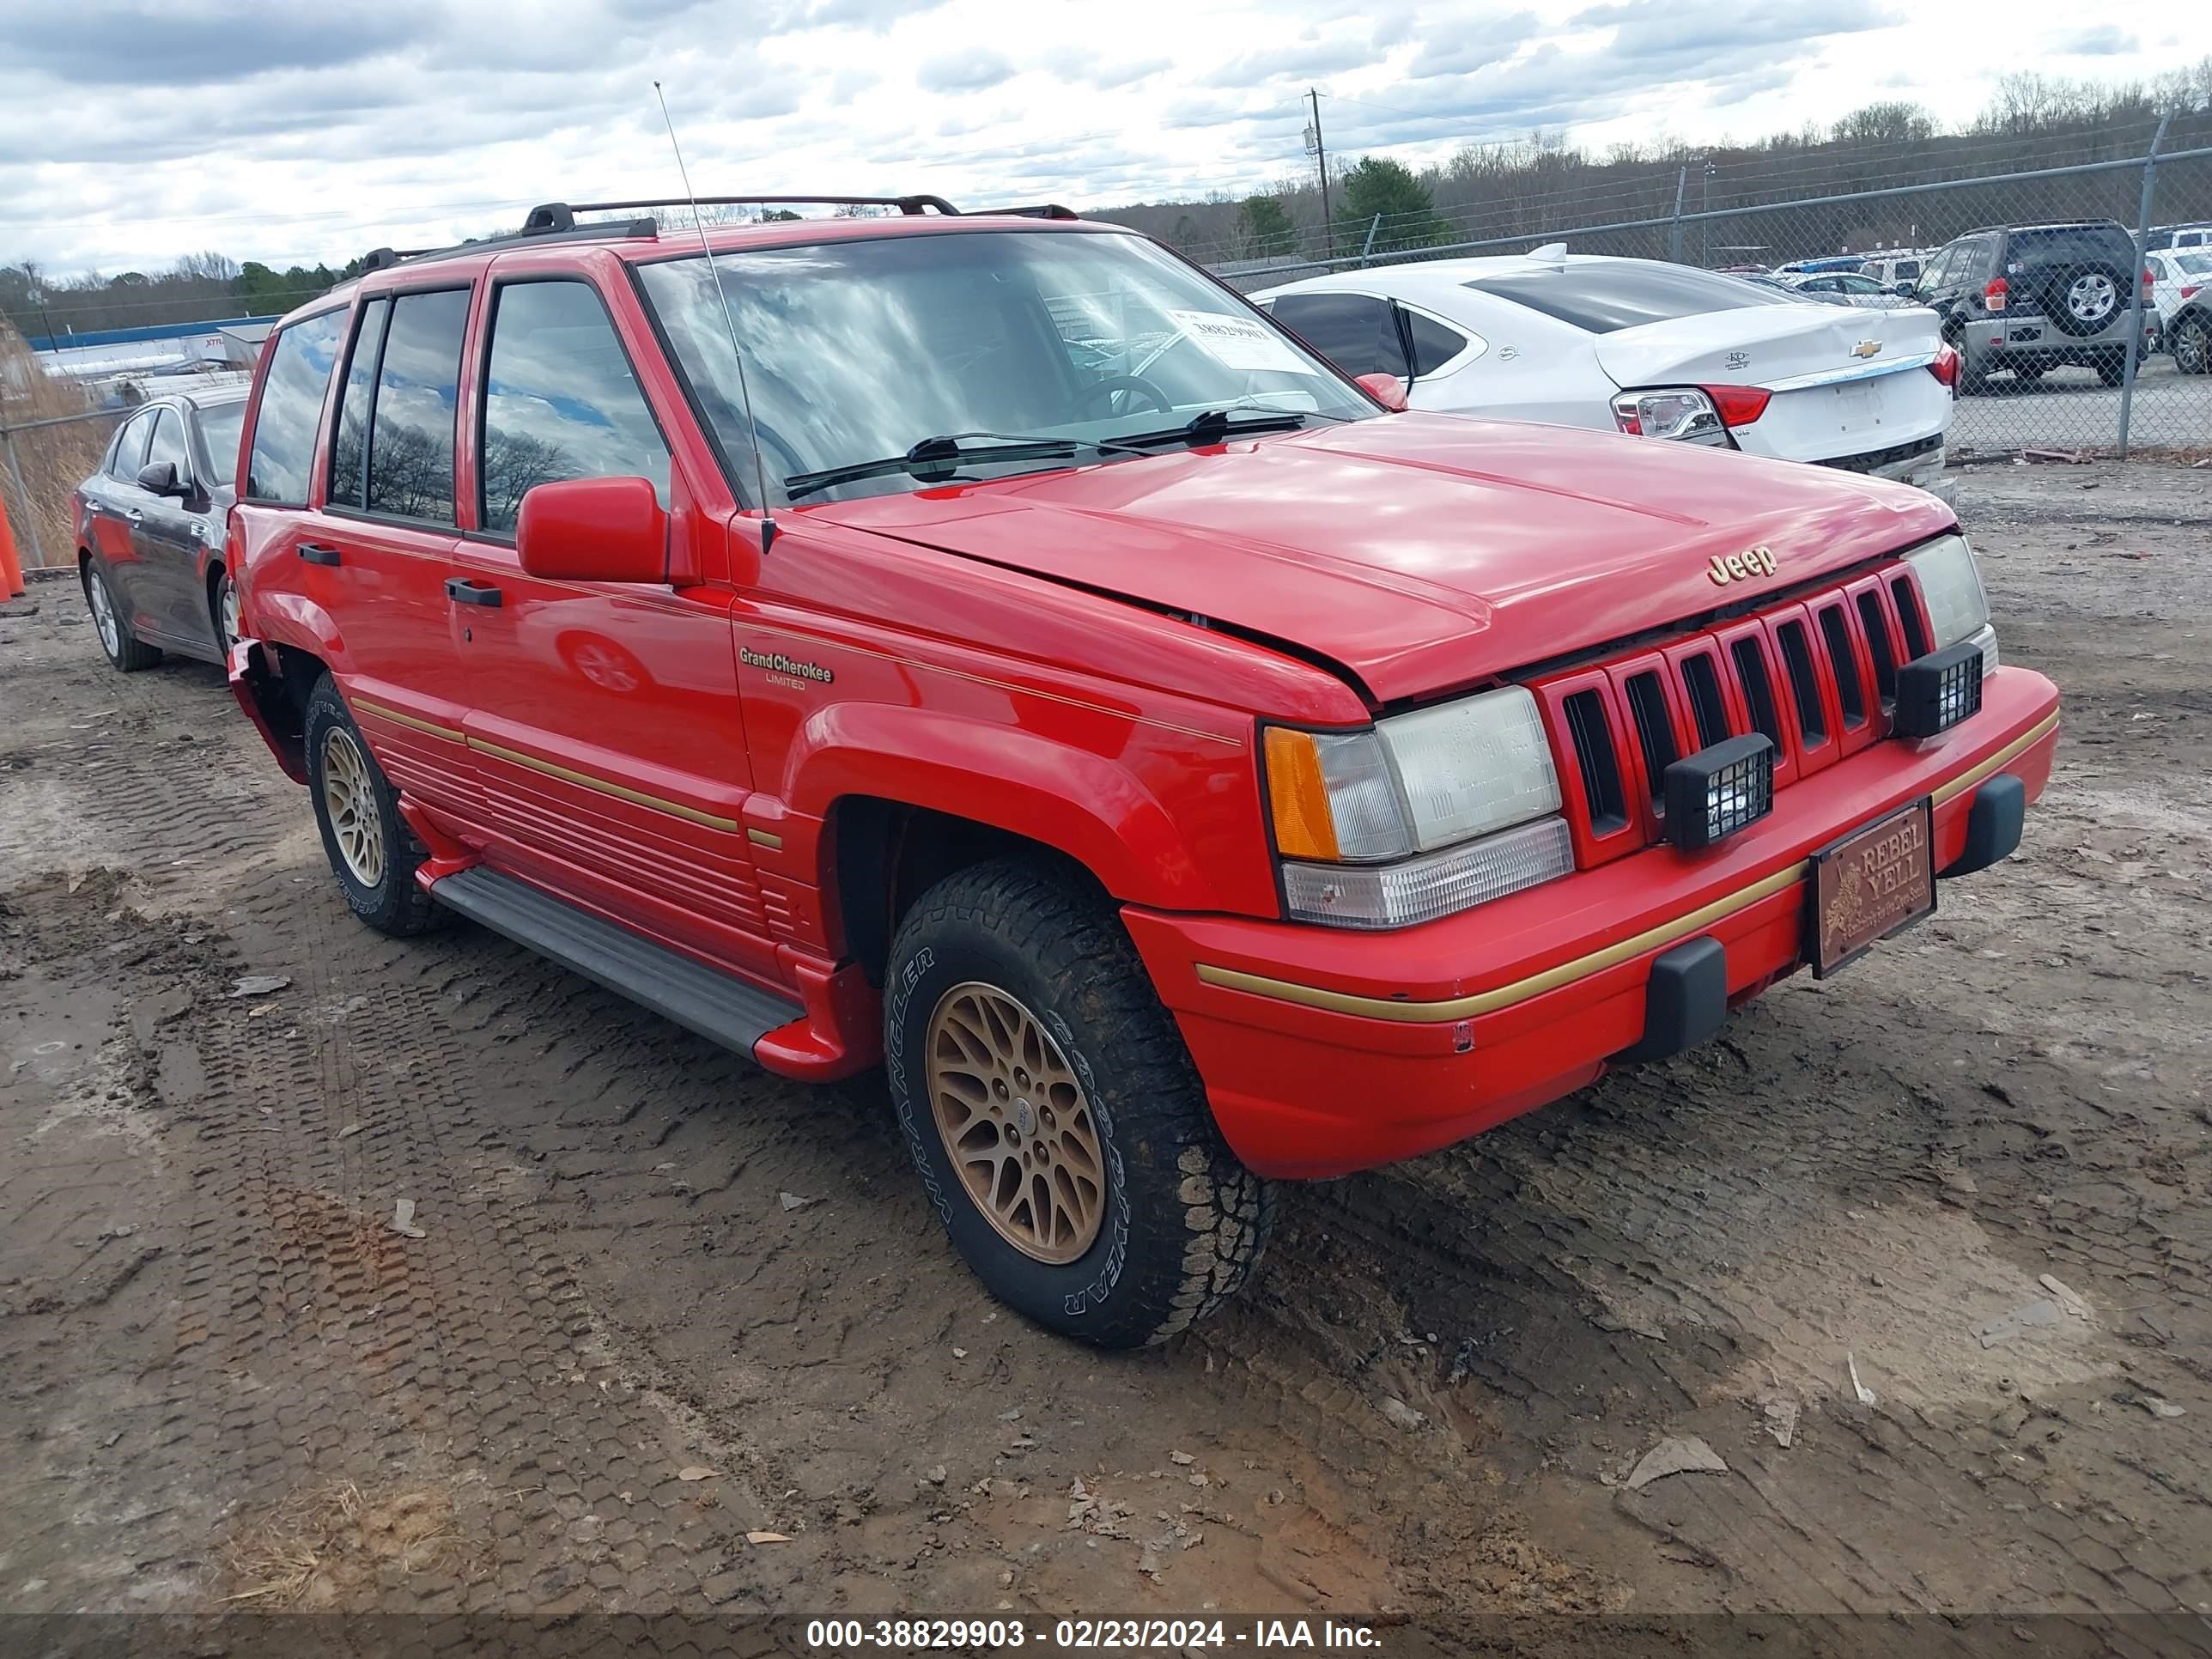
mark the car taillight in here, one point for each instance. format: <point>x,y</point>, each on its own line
<point>1994,294</point>
<point>1740,405</point>
<point>2192,291</point>
<point>2150,280</point>
<point>1945,366</point>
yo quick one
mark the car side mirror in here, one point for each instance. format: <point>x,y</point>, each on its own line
<point>593,530</point>
<point>159,479</point>
<point>1386,390</point>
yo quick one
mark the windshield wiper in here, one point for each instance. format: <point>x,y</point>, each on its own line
<point>1213,425</point>
<point>938,460</point>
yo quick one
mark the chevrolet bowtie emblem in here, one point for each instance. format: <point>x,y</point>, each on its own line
<point>1740,567</point>
<point>1866,348</point>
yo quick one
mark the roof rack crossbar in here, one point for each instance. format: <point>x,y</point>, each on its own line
<point>907,205</point>
<point>1033,210</point>
<point>535,233</point>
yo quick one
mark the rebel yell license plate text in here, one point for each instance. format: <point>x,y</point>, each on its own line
<point>1870,883</point>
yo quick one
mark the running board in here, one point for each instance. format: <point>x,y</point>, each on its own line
<point>702,998</point>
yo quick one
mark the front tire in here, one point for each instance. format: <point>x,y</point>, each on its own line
<point>1054,1115</point>
<point>372,852</point>
<point>125,650</point>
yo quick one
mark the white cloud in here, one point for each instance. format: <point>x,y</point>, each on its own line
<point>293,135</point>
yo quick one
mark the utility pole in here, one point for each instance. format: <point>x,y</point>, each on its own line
<point>1320,153</point>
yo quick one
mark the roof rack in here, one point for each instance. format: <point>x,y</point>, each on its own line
<point>907,205</point>
<point>551,223</point>
<point>1035,210</point>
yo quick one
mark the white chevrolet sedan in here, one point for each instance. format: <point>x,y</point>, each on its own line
<point>1641,346</point>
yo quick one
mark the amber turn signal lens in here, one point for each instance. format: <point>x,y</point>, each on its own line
<point>1297,795</point>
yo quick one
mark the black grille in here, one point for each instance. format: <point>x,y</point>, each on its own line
<point>1908,615</point>
<point>1885,657</point>
<point>1600,767</point>
<point>1758,691</point>
<point>1655,732</point>
<point>1703,682</point>
<point>1843,663</point>
<point>1804,685</point>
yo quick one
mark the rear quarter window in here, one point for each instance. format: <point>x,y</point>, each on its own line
<point>1603,299</point>
<point>291,408</point>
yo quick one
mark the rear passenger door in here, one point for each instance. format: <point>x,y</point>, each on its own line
<point>604,718</point>
<point>116,502</point>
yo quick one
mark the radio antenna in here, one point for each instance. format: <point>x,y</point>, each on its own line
<point>744,393</point>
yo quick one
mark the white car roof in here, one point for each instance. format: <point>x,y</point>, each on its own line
<point>1441,286</point>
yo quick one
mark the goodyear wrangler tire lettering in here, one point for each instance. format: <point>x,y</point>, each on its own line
<point>1178,1223</point>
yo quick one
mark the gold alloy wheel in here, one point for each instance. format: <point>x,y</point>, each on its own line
<point>1015,1123</point>
<point>349,798</point>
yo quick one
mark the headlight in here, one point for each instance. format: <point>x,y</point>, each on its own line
<point>1957,608</point>
<point>1450,784</point>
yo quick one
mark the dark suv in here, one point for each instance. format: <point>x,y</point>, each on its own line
<point>2027,298</point>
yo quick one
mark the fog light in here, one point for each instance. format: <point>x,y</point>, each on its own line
<point>1937,691</point>
<point>1718,791</point>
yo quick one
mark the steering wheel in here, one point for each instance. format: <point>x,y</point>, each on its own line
<point>1135,384</point>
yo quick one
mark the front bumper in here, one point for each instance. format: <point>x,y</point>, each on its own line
<point>1325,1052</point>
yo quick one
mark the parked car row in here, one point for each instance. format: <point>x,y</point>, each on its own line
<point>986,647</point>
<point>1645,347</point>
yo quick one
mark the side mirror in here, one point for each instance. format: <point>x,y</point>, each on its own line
<point>1386,390</point>
<point>593,530</point>
<point>159,479</point>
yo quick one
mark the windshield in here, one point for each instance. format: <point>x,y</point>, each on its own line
<point>219,429</point>
<point>1615,294</point>
<point>857,350</point>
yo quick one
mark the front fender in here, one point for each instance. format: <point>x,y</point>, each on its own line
<point>1098,811</point>
<point>290,619</point>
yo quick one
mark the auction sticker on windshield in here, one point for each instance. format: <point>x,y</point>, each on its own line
<point>1240,343</point>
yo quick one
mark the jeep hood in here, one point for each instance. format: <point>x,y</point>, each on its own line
<point>1421,552</point>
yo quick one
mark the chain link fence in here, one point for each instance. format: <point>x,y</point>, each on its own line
<point>46,448</point>
<point>2048,369</point>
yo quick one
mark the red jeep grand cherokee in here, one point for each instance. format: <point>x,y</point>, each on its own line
<point>984,645</point>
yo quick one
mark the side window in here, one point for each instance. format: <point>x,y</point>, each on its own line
<point>1348,329</point>
<point>411,439</point>
<point>349,449</point>
<point>130,453</point>
<point>168,445</point>
<point>291,408</point>
<point>1435,344</point>
<point>560,401</point>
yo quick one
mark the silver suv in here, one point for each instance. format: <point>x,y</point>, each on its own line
<point>2026,298</point>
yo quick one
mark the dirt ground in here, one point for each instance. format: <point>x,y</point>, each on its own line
<point>661,1304</point>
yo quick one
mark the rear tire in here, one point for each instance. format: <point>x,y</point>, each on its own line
<point>1019,1021</point>
<point>222,611</point>
<point>372,852</point>
<point>2112,369</point>
<point>2191,344</point>
<point>125,650</point>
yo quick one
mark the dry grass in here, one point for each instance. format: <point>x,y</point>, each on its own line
<point>334,1547</point>
<point>53,458</point>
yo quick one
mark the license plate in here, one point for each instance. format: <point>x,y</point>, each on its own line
<point>1855,407</point>
<point>1874,882</point>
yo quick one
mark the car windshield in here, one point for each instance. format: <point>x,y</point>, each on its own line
<point>219,428</point>
<point>1611,295</point>
<point>859,349</point>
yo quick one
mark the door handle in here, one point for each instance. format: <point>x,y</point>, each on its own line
<point>132,515</point>
<point>462,590</point>
<point>316,553</point>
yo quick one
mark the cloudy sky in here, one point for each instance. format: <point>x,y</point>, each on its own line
<point>130,135</point>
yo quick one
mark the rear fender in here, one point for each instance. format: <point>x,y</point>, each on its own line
<point>1096,810</point>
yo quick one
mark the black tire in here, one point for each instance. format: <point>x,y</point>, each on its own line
<point>124,649</point>
<point>221,598</point>
<point>2190,343</point>
<point>2057,297</point>
<point>393,903</point>
<point>2027,374</point>
<point>1180,1223</point>
<point>2112,368</point>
